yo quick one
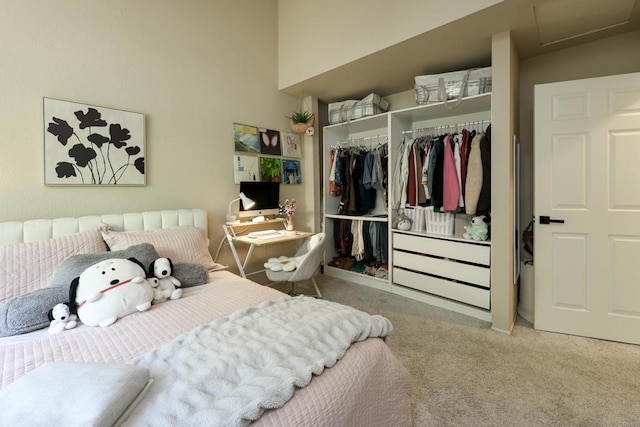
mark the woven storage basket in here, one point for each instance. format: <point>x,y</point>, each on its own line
<point>452,86</point>
<point>439,222</point>
<point>416,214</point>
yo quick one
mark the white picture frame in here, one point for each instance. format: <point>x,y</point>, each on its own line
<point>88,145</point>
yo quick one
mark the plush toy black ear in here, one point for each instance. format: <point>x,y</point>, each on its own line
<point>73,289</point>
<point>152,268</point>
<point>139,263</point>
<point>50,315</point>
<point>170,263</point>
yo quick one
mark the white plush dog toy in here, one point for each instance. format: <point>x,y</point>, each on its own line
<point>109,290</point>
<point>61,319</point>
<point>166,286</point>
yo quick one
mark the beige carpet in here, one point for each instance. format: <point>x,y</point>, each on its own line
<point>466,374</point>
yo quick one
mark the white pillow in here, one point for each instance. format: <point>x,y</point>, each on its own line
<point>181,244</point>
<point>74,394</point>
<point>26,267</point>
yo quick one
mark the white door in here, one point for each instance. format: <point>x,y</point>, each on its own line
<point>587,174</point>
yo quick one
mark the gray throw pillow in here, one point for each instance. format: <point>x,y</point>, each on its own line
<point>29,312</point>
<point>189,274</point>
<point>74,265</point>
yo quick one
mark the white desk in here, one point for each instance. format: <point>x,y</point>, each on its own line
<point>233,236</point>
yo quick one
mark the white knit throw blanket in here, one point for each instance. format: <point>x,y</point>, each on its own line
<point>227,372</point>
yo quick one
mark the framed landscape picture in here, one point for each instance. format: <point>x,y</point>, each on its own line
<point>91,145</point>
<point>245,139</point>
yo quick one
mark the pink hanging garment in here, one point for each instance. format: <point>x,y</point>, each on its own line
<point>451,185</point>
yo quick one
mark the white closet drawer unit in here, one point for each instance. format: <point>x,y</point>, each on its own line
<point>445,288</point>
<point>450,268</point>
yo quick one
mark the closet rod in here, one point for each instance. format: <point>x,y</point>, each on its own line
<point>479,123</point>
<point>362,139</point>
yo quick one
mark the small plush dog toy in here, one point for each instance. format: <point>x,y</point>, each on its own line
<point>477,229</point>
<point>166,287</point>
<point>61,319</point>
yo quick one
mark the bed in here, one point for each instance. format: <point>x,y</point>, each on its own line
<point>365,385</point>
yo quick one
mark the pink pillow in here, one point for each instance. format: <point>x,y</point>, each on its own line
<point>181,244</point>
<point>26,267</point>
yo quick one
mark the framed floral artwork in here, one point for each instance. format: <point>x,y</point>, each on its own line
<point>246,138</point>
<point>270,169</point>
<point>269,142</point>
<point>291,144</point>
<point>245,168</point>
<point>291,172</point>
<point>91,145</point>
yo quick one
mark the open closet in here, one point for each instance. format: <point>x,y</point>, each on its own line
<point>443,269</point>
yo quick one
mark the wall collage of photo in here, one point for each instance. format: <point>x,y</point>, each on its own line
<point>266,155</point>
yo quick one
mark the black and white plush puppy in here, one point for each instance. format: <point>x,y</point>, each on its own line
<point>110,290</point>
<point>167,287</point>
<point>61,319</point>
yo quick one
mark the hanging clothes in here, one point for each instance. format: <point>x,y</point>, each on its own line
<point>357,246</point>
<point>484,199</point>
<point>399,179</point>
<point>335,189</point>
<point>378,175</point>
<point>438,182</point>
<point>473,185</point>
<point>439,170</point>
<point>425,172</point>
<point>464,158</point>
<point>450,183</point>
<point>458,161</point>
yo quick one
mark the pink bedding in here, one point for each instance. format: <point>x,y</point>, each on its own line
<point>367,387</point>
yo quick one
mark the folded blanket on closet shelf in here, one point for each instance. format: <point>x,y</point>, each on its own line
<point>249,362</point>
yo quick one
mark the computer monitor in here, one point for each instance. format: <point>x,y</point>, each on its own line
<point>266,196</point>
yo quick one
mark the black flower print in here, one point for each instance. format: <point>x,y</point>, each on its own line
<point>118,135</point>
<point>96,157</point>
<point>89,119</point>
<point>61,129</point>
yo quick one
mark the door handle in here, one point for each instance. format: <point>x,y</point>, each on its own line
<point>547,220</point>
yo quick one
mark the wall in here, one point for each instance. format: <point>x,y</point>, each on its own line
<point>613,55</point>
<point>504,107</point>
<point>315,38</point>
<point>192,67</point>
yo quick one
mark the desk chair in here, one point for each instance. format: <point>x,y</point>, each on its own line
<point>310,255</point>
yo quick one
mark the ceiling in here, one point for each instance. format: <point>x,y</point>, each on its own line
<point>537,26</point>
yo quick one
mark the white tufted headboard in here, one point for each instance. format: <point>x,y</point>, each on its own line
<point>41,229</point>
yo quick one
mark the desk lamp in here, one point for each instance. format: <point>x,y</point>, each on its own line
<point>246,203</point>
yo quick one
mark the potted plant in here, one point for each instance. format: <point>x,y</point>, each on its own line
<point>300,121</point>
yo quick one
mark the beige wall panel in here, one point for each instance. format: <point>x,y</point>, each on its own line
<point>317,37</point>
<point>193,68</point>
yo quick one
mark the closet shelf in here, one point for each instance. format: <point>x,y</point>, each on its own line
<point>440,110</point>
<point>362,217</point>
<point>443,237</point>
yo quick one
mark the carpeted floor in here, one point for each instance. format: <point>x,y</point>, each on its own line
<point>466,374</point>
